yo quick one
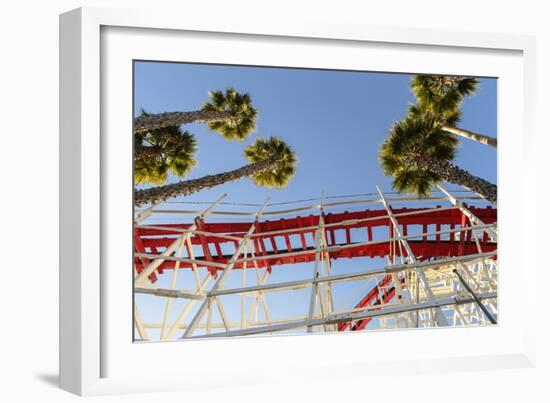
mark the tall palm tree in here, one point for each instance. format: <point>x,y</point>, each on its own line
<point>231,114</point>
<point>418,155</point>
<point>160,151</point>
<point>272,163</point>
<point>442,96</point>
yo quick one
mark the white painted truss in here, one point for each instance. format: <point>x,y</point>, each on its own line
<point>250,292</point>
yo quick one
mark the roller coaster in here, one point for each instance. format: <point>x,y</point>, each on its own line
<point>330,264</point>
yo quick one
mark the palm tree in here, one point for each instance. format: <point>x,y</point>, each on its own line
<point>442,96</point>
<point>272,163</point>
<point>418,155</point>
<point>160,151</point>
<point>231,114</point>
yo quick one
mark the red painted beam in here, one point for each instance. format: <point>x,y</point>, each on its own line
<point>372,295</point>
<point>151,239</point>
<point>140,263</point>
<point>151,236</point>
<point>421,249</point>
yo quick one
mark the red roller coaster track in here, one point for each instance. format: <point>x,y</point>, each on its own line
<point>299,233</point>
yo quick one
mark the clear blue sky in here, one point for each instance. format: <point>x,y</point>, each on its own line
<point>335,122</point>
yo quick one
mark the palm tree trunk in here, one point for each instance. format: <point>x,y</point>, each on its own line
<point>480,138</point>
<point>147,122</point>
<point>185,188</point>
<point>453,174</point>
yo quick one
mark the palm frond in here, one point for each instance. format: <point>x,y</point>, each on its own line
<point>174,152</point>
<point>273,149</point>
<point>442,95</point>
<point>242,115</point>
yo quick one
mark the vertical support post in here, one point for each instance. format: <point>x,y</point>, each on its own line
<point>439,317</point>
<point>318,247</point>
<point>261,281</point>
<point>209,316</point>
<point>173,283</point>
<point>327,286</point>
<point>243,284</point>
<point>139,324</point>
<point>194,267</point>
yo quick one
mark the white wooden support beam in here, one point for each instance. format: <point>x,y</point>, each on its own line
<point>158,260</point>
<point>298,284</point>
<point>439,317</point>
<point>314,284</point>
<point>169,293</point>
<point>491,231</point>
<point>139,324</point>
<point>173,283</point>
<point>186,309</point>
<point>219,283</point>
<point>348,317</point>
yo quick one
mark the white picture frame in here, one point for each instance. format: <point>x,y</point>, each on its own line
<point>85,347</point>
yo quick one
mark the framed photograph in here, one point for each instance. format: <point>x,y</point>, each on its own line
<point>240,197</point>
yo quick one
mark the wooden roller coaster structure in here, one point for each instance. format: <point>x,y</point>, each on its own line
<point>423,265</point>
